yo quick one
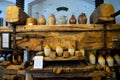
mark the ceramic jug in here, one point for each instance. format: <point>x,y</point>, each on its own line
<point>101,61</point>
<point>72,20</point>
<point>92,58</point>
<point>59,50</point>
<point>71,50</point>
<point>82,19</point>
<point>117,59</point>
<point>41,20</point>
<point>47,50</point>
<point>62,20</point>
<point>51,20</point>
<point>110,61</point>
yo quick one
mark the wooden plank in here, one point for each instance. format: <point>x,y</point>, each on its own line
<point>15,15</point>
<point>113,27</point>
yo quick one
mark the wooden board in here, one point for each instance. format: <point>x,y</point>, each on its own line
<point>15,15</point>
<point>102,14</point>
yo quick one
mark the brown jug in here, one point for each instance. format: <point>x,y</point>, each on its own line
<point>41,20</point>
<point>72,20</point>
<point>51,20</point>
<point>82,19</point>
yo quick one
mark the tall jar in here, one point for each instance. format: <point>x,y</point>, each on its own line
<point>72,20</point>
<point>82,19</point>
<point>41,20</point>
<point>51,20</point>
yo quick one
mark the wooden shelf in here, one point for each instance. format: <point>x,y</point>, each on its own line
<point>54,28</point>
<point>63,59</point>
<point>57,28</point>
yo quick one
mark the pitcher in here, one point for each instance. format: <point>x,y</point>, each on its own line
<point>62,20</point>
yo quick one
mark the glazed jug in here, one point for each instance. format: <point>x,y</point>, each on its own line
<point>82,19</point>
<point>41,20</point>
<point>62,20</point>
<point>51,20</point>
<point>72,20</point>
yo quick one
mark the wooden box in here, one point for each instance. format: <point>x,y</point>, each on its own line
<point>15,15</point>
<point>102,14</point>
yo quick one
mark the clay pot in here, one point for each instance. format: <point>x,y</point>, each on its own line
<point>41,20</point>
<point>51,20</point>
<point>72,20</point>
<point>31,21</point>
<point>82,19</point>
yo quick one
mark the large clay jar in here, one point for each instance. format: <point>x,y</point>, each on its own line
<point>41,20</point>
<point>82,19</point>
<point>62,20</point>
<point>51,20</point>
<point>72,20</point>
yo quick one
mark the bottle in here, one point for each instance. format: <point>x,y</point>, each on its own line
<point>82,19</point>
<point>72,20</point>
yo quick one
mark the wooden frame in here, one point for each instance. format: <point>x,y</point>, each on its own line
<point>5,40</point>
